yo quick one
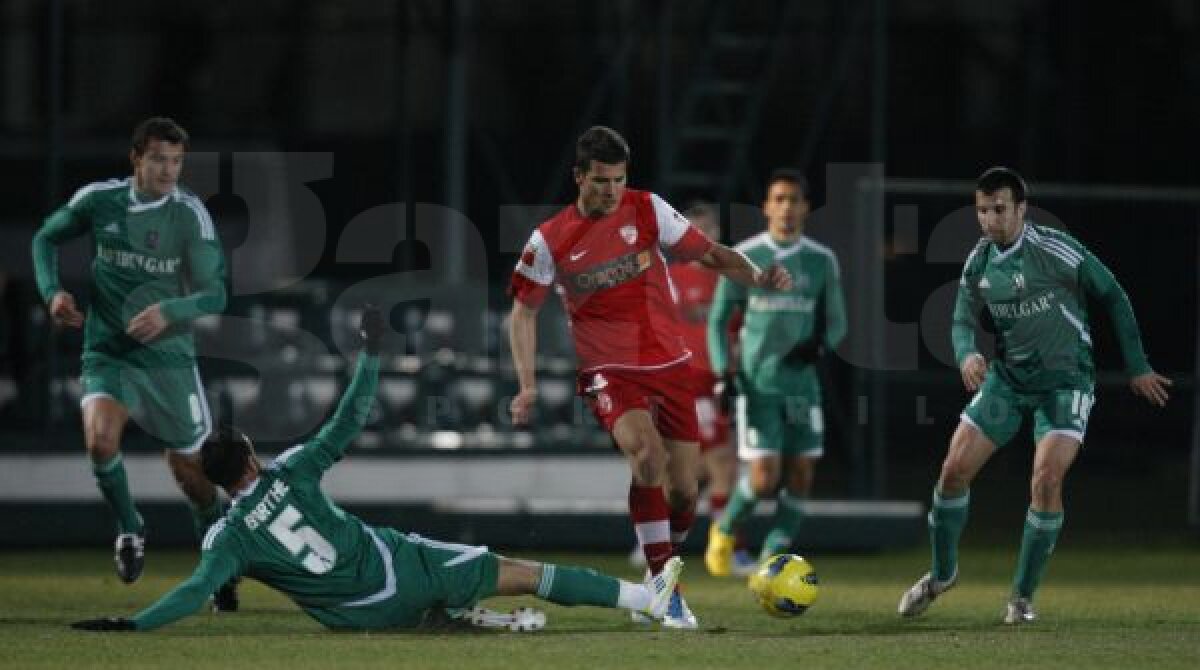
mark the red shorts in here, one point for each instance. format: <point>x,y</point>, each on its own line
<point>669,394</point>
<point>713,423</point>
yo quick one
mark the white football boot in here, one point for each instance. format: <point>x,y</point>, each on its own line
<point>922,594</point>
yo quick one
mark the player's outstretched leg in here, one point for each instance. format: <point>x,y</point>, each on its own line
<point>789,515</point>
<point>129,550</point>
<point>722,539</point>
<point>570,585</point>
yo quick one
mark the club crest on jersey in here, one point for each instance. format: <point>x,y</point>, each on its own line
<point>151,239</point>
<point>1019,281</point>
<point>604,403</point>
<point>629,233</point>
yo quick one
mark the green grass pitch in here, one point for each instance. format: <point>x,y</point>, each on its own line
<point>1101,607</point>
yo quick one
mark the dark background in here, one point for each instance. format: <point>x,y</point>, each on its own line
<point>1066,92</point>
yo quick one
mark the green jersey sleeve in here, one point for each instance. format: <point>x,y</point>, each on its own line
<point>320,453</point>
<point>218,564</point>
<point>727,300</point>
<point>205,269</point>
<point>835,307</point>
<point>1098,283</point>
<point>967,305</point>
<point>66,223</point>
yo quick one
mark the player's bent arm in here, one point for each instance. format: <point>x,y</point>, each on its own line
<point>190,595</point>
<point>835,311</point>
<point>966,319</point>
<point>62,225</point>
<point>725,303</point>
<point>732,264</point>
<point>352,412</point>
<point>1099,283</point>
<point>206,267</point>
<point>522,340</point>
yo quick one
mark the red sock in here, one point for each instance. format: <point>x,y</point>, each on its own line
<point>681,523</point>
<point>648,510</point>
<point>716,504</point>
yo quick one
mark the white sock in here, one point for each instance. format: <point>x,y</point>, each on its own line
<point>636,597</point>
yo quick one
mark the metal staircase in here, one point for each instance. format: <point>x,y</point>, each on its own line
<point>707,144</point>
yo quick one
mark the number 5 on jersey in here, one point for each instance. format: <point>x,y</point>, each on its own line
<point>296,538</point>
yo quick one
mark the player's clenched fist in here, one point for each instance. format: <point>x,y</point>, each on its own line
<point>775,277</point>
<point>974,369</point>
<point>522,406</point>
<point>64,312</point>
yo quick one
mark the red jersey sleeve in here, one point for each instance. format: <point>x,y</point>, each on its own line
<point>677,235</point>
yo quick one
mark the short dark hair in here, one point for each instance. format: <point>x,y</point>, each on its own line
<point>995,178</point>
<point>792,176</point>
<point>601,144</point>
<point>160,128</point>
<point>224,456</point>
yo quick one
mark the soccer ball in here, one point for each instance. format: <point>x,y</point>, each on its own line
<point>785,585</point>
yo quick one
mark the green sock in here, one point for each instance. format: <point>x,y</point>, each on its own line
<point>739,508</point>
<point>203,517</point>
<point>946,522</point>
<point>1037,543</point>
<point>569,585</point>
<point>789,514</point>
<point>114,486</point>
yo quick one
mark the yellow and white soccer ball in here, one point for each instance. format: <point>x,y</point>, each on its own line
<point>785,585</point>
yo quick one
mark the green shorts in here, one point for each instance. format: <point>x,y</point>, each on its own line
<point>429,575</point>
<point>168,403</point>
<point>998,410</point>
<point>778,425</point>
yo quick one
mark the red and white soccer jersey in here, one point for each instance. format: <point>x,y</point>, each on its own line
<point>614,280</point>
<point>612,276</point>
<point>696,285</point>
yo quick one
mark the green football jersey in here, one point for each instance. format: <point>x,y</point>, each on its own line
<point>1035,291</point>
<point>285,532</point>
<point>165,250</point>
<point>775,322</point>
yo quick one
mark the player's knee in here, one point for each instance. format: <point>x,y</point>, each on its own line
<point>800,481</point>
<point>102,442</point>
<point>1046,486</point>
<point>764,482</point>
<point>648,463</point>
<point>682,499</point>
<point>955,476</point>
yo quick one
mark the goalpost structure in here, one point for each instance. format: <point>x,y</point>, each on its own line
<point>867,237</point>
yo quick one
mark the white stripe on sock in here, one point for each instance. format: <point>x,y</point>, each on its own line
<point>634,597</point>
<point>547,580</point>
<point>653,532</point>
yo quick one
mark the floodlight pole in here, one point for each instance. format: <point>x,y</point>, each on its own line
<point>1194,481</point>
<point>455,166</point>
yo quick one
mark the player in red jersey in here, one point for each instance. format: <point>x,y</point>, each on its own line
<point>696,285</point>
<point>605,254</point>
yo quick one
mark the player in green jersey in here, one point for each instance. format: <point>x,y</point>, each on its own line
<point>780,424</point>
<point>158,265</point>
<point>284,531</point>
<point>1034,282</point>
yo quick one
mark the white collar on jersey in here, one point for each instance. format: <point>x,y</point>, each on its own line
<point>137,205</point>
<point>1001,255</point>
<point>782,251</point>
<point>246,491</point>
